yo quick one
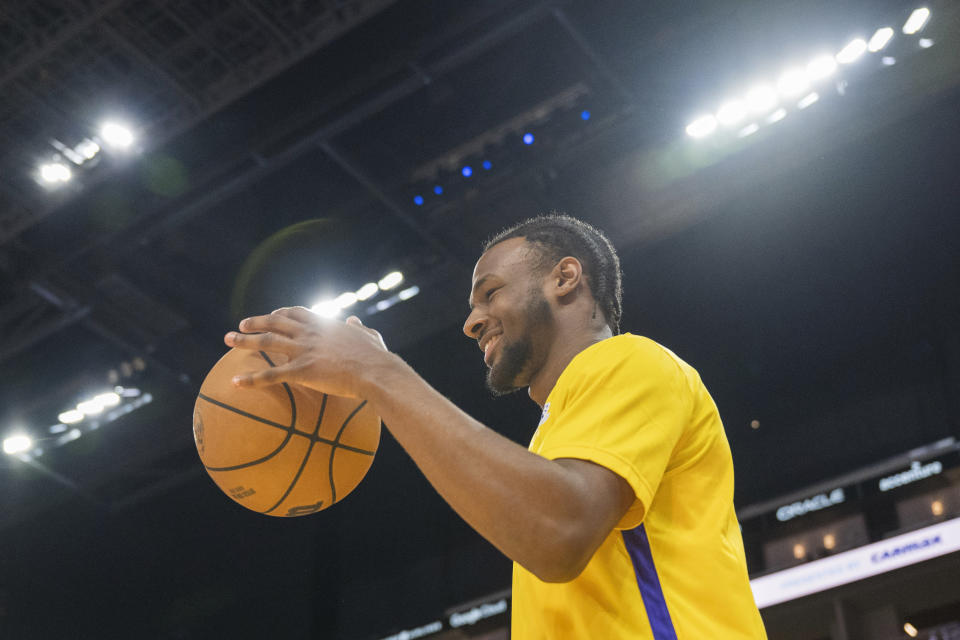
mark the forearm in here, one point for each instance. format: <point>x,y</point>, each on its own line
<point>525,505</point>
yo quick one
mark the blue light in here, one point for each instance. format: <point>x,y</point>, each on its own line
<point>486,165</point>
<point>467,171</point>
<point>438,189</point>
<point>418,200</point>
<point>584,115</point>
<point>528,138</point>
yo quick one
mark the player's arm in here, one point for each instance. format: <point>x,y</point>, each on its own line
<point>549,516</point>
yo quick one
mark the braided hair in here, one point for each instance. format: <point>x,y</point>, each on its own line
<point>556,236</point>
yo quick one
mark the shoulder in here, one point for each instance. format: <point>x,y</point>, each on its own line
<point>627,354</point>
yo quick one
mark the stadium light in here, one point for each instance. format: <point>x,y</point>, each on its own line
<point>54,172</point>
<point>367,291</point>
<point>777,115</point>
<point>916,21</point>
<point>731,112</point>
<point>748,130</point>
<point>925,43</point>
<point>808,100</point>
<point>71,416</point>
<point>326,309</point>
<point>702,126</point>
<point>879,39</point>
<point>910,630</point>
<point>793,82</point>
<point>761,99</point>
<point>116,135</point>
<point>821,67</point>
<point>345,300</point>
<point>87,148</point>
<point>17,444</point>
<point>90,407</point>
<point>408,293</point>
<point>852,51</point>
<point>390,280</point>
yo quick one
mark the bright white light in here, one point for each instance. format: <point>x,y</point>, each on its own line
<point>731,113</point>
<point>345,300</point>
<point>808,100</point>
<point>888,61</point>
<point>55,172</point>
<point>109,399</point>
<point>409,292</point>
<point>916,21</point>
<point>384,305</point>
<point>821,67</point>
<point>116,135</point>
<point>777,115</point>
<point>701,127</point>
<point>326,308</point>
<point>925,43</point>
<point>879,39</point>
<point>910,630</point>
<point>58,428</point>
<point>390,280</point>
<point>70,417</point>
<point>367,291</point>
<point>750,129</point>
<point>90,407</point>
<point>852,51</point>
<point>87,148</point>
<point>761,99</point>
<point>793,82</point>
<point>17,444</point>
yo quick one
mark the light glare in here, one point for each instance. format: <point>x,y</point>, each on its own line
<point>55,172</point>
<point>852,51</point>
<point>925,43</point>
<point>910,630</point>
<point>71,416</point>
<point>879,39</point>
<point>116,135</point>
<point>390,280</point>
<point>821,67</point>
<point>731,113</point>
<point>17,444</point>
<point>750,129</point>
<point>409,292</point>
<point>367,291</point>
<point>326,309</point>
<point>793,82</point>
<point>777,115</point>
<point>916,21</point>
<point>761,99</point>
<point>109,399</point>
<point>90,407</point>
<point>702,126</point>
<point>808,100</point>
<point>345,300</point>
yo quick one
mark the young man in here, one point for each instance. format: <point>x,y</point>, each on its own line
<point>619,517</point>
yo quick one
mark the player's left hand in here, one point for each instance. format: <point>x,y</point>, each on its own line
<point>329,356</point>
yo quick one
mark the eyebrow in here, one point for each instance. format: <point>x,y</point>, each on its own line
<point>476,286</point>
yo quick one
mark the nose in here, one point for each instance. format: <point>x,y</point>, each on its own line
<point>473,326</point>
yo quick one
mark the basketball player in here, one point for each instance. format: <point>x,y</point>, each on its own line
<point>619,517</point>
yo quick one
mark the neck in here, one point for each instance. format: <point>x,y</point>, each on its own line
<point>563,350</point>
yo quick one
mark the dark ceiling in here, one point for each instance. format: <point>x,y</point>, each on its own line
<point>809,271</point>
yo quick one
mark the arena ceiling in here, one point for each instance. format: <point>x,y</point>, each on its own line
<point>280,146</point>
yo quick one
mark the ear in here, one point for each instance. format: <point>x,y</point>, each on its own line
<point>567,276</point>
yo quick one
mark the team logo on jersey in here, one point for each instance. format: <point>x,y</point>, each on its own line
<point>545,414</point>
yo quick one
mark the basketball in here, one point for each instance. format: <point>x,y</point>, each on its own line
<point>282,450</point>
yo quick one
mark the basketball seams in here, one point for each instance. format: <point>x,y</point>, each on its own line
<point>306,456</point>
<point>333,450</point>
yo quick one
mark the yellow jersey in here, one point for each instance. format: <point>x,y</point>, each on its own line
<point>674,566</point>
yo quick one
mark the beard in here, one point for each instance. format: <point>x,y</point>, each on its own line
<point>511,371</point>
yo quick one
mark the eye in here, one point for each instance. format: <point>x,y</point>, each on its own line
<point>490,292</point>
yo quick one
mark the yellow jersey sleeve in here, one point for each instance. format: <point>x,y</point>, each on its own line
<point>623,404</point>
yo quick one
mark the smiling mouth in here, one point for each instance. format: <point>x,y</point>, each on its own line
<point>489,347</point>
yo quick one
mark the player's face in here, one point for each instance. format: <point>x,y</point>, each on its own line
<point>511,318</point>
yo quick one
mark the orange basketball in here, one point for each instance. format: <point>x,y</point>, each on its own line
<point>283,450</point>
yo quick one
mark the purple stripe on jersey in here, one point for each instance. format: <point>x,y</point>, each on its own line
<point>638,546</point>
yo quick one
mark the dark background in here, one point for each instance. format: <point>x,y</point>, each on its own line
<point>809,272</point>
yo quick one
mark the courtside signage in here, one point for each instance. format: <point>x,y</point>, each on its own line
<point>857,564</point>
<point>814,503</point>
